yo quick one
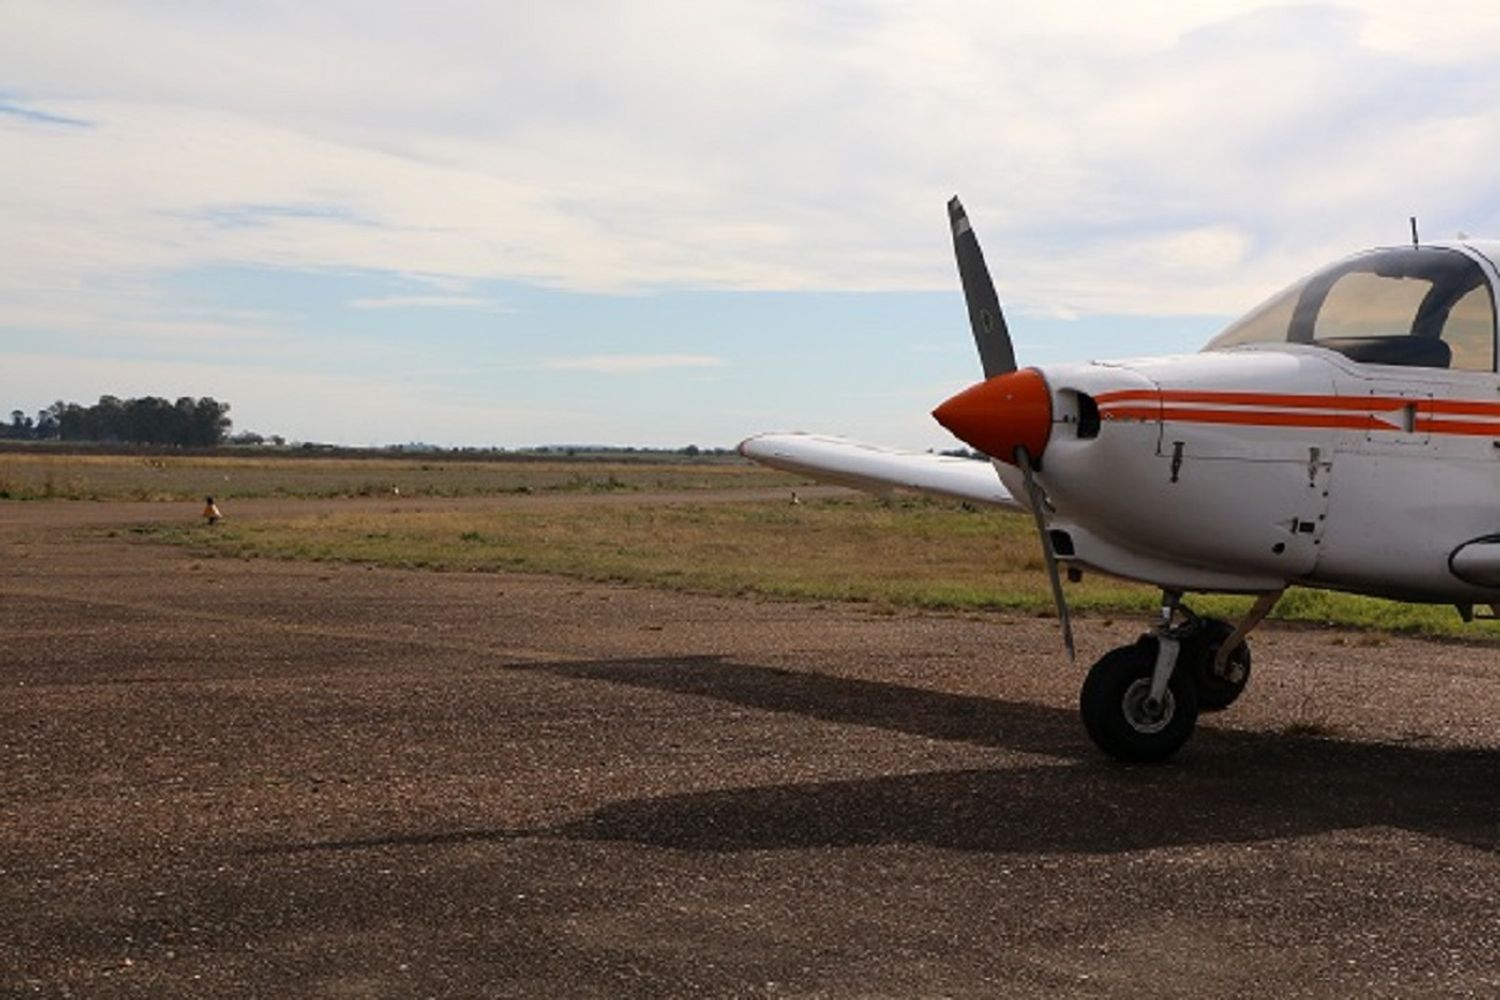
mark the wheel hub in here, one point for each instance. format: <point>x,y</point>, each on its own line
<point>1234,671</point>
<point>1145,714</point>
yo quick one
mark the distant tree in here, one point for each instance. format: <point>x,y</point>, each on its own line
<point>210,422</point>
<point>147,420</point>
<point>73,421</point>
<point>19,428</point>
<point>184,421</point>
<point>106,420</point>
<point>46,425</point>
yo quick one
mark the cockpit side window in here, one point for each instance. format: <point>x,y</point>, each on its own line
<point>1365,304</point>
<point>1425,307</point>
<point>1470,331</point>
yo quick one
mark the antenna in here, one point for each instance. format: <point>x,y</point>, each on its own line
<point>1414,240</point>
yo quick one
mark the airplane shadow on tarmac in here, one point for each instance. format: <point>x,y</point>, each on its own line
<point>1226,787</point>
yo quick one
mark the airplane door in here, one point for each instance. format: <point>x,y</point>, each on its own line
<point>1265,503</point>
<point>1420,481</point>
<point>1262,460</point>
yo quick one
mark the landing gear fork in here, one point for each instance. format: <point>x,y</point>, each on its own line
<point>1168,648</point>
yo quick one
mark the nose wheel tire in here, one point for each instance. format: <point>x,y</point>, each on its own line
<point>1117,711</point>
<point>1217,690</point>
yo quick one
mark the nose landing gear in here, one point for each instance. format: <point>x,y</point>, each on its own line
<point>1121,716</point>
<point>1141,702</point>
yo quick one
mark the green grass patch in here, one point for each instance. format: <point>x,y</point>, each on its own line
<point>913,554</point>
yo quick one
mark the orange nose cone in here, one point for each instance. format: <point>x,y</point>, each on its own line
<point>1001,414</point>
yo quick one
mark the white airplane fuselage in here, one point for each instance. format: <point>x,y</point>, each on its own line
<point>1273,465</point>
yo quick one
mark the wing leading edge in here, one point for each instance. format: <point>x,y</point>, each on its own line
<point>879,470</point>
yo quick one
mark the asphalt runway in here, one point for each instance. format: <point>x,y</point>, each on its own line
<point>227,778</point>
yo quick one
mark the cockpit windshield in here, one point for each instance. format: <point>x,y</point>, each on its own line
<point>1426,307</point>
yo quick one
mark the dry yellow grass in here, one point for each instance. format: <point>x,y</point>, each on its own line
<point>911,553</point>
<point>26,476</point>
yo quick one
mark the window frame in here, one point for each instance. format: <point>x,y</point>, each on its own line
<point>1451,273</point>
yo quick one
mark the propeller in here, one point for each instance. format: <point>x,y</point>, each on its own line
<point>991,335</point>
<point>1009,415</point>
<point>1038,501</point>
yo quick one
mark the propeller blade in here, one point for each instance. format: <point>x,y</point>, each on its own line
<point>998,356</point>
<point>1059,600</point>
<point>991,335</point>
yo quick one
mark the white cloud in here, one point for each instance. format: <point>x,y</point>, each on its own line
<point>1164,158</point>
<point>1457,35</point>
<point>429,302</point>
<point>633,364</point>
<point>746,145</point>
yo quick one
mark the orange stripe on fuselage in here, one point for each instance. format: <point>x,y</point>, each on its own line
<point>1266,409</point>
<point>1462,428</point>
<point>1254,418</point>
<point>1284,400</point>
<point>1465,407</point>
<point>1308,401</point>
<point>1287,401</point>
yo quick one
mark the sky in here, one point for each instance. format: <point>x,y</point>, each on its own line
<point>671,223</point>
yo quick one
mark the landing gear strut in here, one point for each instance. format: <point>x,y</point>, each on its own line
<point>1140,702</point>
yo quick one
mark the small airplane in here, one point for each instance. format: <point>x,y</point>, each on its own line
<point>1343,435</point>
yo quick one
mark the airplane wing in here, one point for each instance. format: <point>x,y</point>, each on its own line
<point>879,470</point>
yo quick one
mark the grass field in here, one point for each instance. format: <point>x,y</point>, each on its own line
<point>914,553</point>
<point>910,553</point>
<point>39,476</point>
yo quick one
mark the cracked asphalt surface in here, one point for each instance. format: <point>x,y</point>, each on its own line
<point>250,778</point>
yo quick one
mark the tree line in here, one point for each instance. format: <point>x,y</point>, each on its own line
<point>147,420</point>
